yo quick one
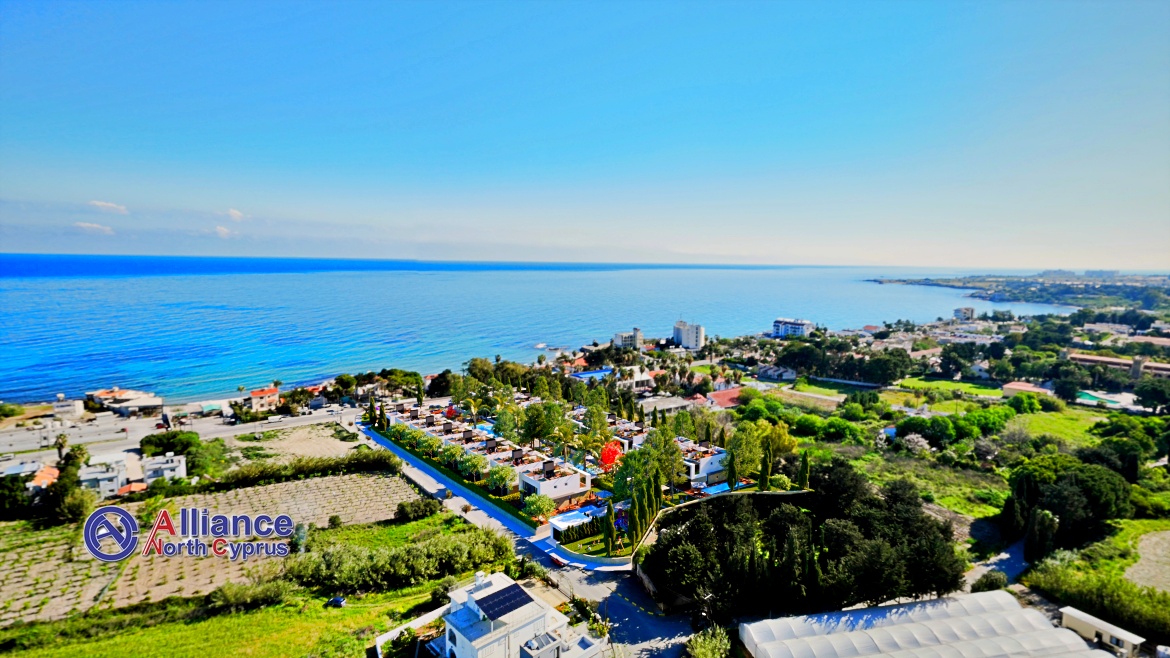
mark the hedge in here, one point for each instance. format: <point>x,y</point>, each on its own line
<point>579,532</point>
<point>397,434</point>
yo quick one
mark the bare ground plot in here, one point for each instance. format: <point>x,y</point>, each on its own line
<point>319,440</point>
<point>1153,568</point>
<point>47,573</point>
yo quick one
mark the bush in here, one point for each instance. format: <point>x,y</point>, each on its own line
<point>538,505</point>
<point>260,473</point>
<point>335,521</point>
<point>440,592</point>
<point>1142,610</point>
<point>709,643</point>
<point>77,505</point>
<point>235,597</point>
<point>405,640</point>
<point>578,532</point>
<point>412,510</point>
<point>992,580</point>
<point>345,568</point>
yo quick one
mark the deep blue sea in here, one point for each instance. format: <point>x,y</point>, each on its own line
<point>196,328</point>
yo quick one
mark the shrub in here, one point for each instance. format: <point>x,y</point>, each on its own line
<point>538,505</point>
<point>235,597</point>
<point>440,592</point>
<point>412,510</point>
<point>335,521</point>
<point>347,568</point>
<point>258,473</point>
<point>1143,610</point>
<point>712,642</point>
<point>578,532</point>
<point>77,505</point>
<point>405,640</point>
<point>992,580</point>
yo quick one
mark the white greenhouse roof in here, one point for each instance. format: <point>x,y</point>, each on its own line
<point>985,625</point>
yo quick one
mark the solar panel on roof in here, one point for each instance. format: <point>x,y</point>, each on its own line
<point>498,604</point>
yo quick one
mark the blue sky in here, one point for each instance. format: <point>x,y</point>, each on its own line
<point>1013,134</point>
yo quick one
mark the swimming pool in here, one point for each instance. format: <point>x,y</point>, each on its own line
<point>576,517</point>
<point>1089,397</point>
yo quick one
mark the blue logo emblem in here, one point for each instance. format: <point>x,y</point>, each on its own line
<point>99,526</point>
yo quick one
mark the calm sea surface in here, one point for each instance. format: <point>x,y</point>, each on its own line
<point>196,328</point>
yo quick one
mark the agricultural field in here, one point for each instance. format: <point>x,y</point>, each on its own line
<point>301,625</point>
<point>49,575</point>
<point>969,388</point>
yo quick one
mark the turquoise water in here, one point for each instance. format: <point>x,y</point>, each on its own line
<point>190,328</point>
<point>1089,397</point>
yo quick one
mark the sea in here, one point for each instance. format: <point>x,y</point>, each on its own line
<point>190,328</point>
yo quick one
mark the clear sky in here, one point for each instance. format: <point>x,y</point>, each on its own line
<point>980,134</point>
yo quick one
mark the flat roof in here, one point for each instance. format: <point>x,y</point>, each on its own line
<point>1115,631</point>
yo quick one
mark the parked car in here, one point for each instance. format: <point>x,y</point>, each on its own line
<point>335,602</point>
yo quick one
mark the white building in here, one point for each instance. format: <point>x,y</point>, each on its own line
<point>689,336</point>
<point>628,339</point>
<point>496,617</point>
<point>776,373</point>
<point>1100,631</point>
<point>554,478</point>
<point>788,327</point>
<point>105,479</point>
<point>704,463</point>
<point>67,409</point>
<point>965,314</point>
<point>167,466</point>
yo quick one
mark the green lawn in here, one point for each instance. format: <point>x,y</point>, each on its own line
<point>970,388</point>
<point>595,545</point>
<point>1072,424</point>
<point>825,388</point>
<point>706,370</point>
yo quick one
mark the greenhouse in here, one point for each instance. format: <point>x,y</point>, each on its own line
<point>985,625</point>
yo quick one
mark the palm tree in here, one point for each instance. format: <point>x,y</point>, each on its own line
<point>241,388</point>
<point>472,406</point>
<point>276,383</point>
<point>566,438</point>
<point>61,444</point>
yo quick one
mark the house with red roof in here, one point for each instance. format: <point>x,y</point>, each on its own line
<point>725,399</point>
<point>264,399</point>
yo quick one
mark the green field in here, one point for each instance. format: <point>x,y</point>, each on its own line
<point>1072,424</point>
<point>706,370</point>
<point>390,533</point>
<point>301,627</point>
<point>824,388</point>
<point>969,388</point>
<point>595,545</point>
<point>959,490</point>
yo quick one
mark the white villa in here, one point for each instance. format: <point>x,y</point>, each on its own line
<point>495,617</point>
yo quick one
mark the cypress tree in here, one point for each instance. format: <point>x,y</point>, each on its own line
<point>804,470</point>
<point>765,479</point>
<point>722,437</point>
<point>610,530</point>
<point>372,414</point>
<point>383,423</point>
<point>732,475</point>
<point>641,413</point>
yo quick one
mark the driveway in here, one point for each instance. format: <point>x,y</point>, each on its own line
<point>1010,561</point>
